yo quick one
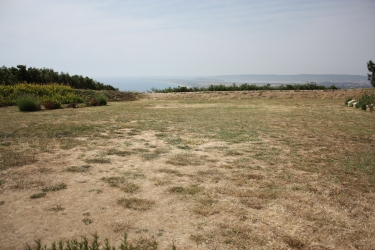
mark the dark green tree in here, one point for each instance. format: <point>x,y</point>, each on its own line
<point>371,76</point>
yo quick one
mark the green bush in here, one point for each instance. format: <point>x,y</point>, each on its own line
<point>28,103</point>
<point>366,99</point>
<point>102,100</point>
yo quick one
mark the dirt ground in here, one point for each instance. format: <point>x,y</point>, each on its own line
<point>160,170</point>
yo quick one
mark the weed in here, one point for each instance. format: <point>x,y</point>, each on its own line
<point>56,208</point>
<point>2,203</point>
<point>54,188</point>
<point>185,160</point>
<point>98,191</point>
<point>98,160</point>
<point>80,169</point>
<point>118,152</point>
<point>87,221</point>
<point>122,183</point>
<point>38,195</point>
<point>136,203</point>
<point>28,103</point>
<point>192,190</point>
<point>84,244</point>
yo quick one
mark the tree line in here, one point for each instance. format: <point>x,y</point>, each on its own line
<point>15,75</point>
<point>244,87</point>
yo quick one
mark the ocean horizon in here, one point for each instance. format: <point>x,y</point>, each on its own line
<point>138,84</point>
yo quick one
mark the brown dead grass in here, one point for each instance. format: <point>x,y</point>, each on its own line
<point>280,170</point>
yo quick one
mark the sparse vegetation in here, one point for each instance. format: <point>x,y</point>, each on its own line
<point>28,103</point>
<point>208,170</point>
<point>55,188</point>
<point>38,195</point>
<point>56,208</point>
<point>85,244</point>
<point>98,160</point>
<point>122,183</point>
<point>136,203</point>
<point>80,169</point>
<point>192,190</point>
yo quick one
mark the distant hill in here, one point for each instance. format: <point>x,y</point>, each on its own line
<point>342,81</point>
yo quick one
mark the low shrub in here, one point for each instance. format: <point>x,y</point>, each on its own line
<point>85,244</point>
<point>366,99</point>
<point>28,103</point>
<point>102,99</point>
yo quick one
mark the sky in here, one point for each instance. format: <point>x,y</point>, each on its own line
<point>188,37</point>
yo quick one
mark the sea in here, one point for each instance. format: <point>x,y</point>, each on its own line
<point>138,84</point>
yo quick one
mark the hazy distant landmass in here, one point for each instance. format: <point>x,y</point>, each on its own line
<point>341,81</point>
<point>143,84</point>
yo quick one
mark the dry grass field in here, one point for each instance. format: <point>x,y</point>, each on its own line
<point>234,170</point>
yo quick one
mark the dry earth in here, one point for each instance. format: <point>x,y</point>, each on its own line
<point>235,170</point>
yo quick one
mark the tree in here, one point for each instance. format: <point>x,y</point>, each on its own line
<point>371,68</point>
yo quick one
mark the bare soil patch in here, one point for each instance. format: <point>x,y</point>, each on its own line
<point>278,170</point>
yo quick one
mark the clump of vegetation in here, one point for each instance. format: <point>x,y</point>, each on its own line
<point>56,208</point>
<point>80,169</point>
<point>102,99</point>
<point>122,183</point>
<point>98,160</point>
<point>87,221</point>
<point>84,244</point>
<point>136,203</point>
<point>98,100</point>
<point>38,195</point>
<point>54,188</point>
<point>28,103</point>
<point>47,94</point>
<point>367,98</point>
<point>189,190</point>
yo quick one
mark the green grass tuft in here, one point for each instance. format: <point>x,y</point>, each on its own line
<point>54,188</point>
<point>38,195</point>
<point>28,103</point>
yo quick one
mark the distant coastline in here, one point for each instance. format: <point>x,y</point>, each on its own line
<point>138,84</point>
<point>144,84</point>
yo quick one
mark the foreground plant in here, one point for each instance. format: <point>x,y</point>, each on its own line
<point>84,244</point>
<point>28,103</point>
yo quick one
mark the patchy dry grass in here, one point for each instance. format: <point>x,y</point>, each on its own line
<point>122,183</point>
<point>213,171</point>
<point>80,169</point>
<point>136,203</point>
<point>55,188</point>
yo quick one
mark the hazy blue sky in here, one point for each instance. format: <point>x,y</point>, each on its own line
<point>188,37</point>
